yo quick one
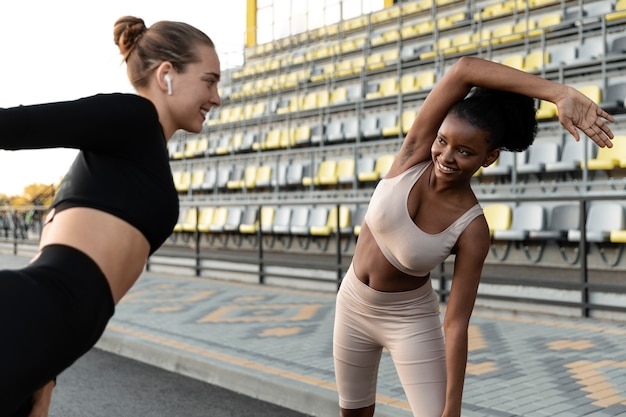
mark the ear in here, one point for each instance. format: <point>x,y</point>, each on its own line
<point>165,67</point>
<point>491,157</point>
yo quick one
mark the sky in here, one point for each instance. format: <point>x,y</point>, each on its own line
<point>54,50</point>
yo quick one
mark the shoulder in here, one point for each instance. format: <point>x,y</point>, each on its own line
<point>122,101</point>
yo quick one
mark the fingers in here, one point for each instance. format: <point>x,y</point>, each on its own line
<point>600,133</point>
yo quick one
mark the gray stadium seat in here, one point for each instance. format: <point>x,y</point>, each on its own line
<point>282,220</point>
<point>603,216</point>
<point>539,154</point>
<point>525,218</point>
<point>299,223</point>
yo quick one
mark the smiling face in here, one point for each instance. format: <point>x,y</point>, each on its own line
<point>194,91</point>
<point>460,149</point>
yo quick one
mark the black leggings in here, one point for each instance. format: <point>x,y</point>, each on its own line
<point>51,313</point>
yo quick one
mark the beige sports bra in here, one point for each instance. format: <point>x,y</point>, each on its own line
<point>408,248</point>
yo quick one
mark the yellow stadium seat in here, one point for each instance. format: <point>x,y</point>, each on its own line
<point>594,92</point>
<point>387,87</point>
<point>619,13</point>
<point>345,171</point>
<point>339,95</point>
<point>183,182</point>
<point>536,61</point>
<point>425,80</point>
<point>610,158</point>
<point>332,225</point>
<point>514,61</point>
<point>405,123</point>
<point>189,220</point>
<point>263,176</point>
<point>546,111</point>
<point>498,217</point>
<point>205,218</point>
<point>219,219</point>
<point>383,163</point>
<point>197,178</point>
<point>374,61</point>
<point>408,84</point>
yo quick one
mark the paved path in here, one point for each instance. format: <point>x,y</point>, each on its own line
<point>276,344</point>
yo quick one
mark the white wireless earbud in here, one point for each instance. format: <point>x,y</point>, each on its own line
<point>168,81</point>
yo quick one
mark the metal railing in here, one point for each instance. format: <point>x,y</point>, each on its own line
<point>259,260</point>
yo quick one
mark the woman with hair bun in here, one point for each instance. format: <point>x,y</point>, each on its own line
<point>421,212</point>
<point>116,205</point>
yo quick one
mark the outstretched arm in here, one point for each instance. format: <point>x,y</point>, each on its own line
<point>576,111</point>
<point>100,123</point>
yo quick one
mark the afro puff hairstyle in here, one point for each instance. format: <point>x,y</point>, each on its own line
<point>509,119</point>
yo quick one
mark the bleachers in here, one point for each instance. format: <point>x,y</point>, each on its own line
<point>315,121</point>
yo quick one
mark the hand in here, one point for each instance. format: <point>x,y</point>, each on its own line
<point>41,400</point>
<point>578,111</point>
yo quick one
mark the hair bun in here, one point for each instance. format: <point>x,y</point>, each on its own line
<point>126,33</point>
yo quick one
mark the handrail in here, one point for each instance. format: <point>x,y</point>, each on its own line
<point>262,260</point>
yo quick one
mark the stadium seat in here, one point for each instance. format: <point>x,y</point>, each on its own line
<point>602,218</point>
<point>346,171</point>
<point>334,131</point>
<point>539,154</point>
<point>223,175</point>
<point>408,84</point>
<point>223,145</point>
<point>425,80</point>
<point>210,179</point>
<point>359,214</point>
<point>382,165</point>
<point>563,218</point>
<point>338,96</point>
<point>562,55</point>
<point>370,127</point>
<point>219,220</point>
<point>498,217</point>
<point>299,222</point>
<point>242,178</point>
<point>613,102</point>
<point>263,176</point>
<point>573,156</point>
<point>388,123</point>
<point>536,61</point>
<point>387,87</point>
<point>318,218</point>
<point>504,164</point>
<point>205,218</point>
<point>594,92</point>
<point>188,222</point>
<point>282,220</point>
<point>248,141</point>
<point>233,219</point>
<point>401,126</point>
<point>182,181</point>
<point>331,225</point>
<point>619,13</point>
<point>295,173</point>
<point>350,129</point>
<point>525,218</point>
<point>610,158</point>
<point>326,174</point>
<point>197,179</point>
<point>374,61</point>
<point>546,111</point>
<point>266,219</point>
<point>249,223</point>
<point>514,61</point>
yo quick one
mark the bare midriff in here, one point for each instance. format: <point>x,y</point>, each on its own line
<point>372,268</point>
<point>119,249</point>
